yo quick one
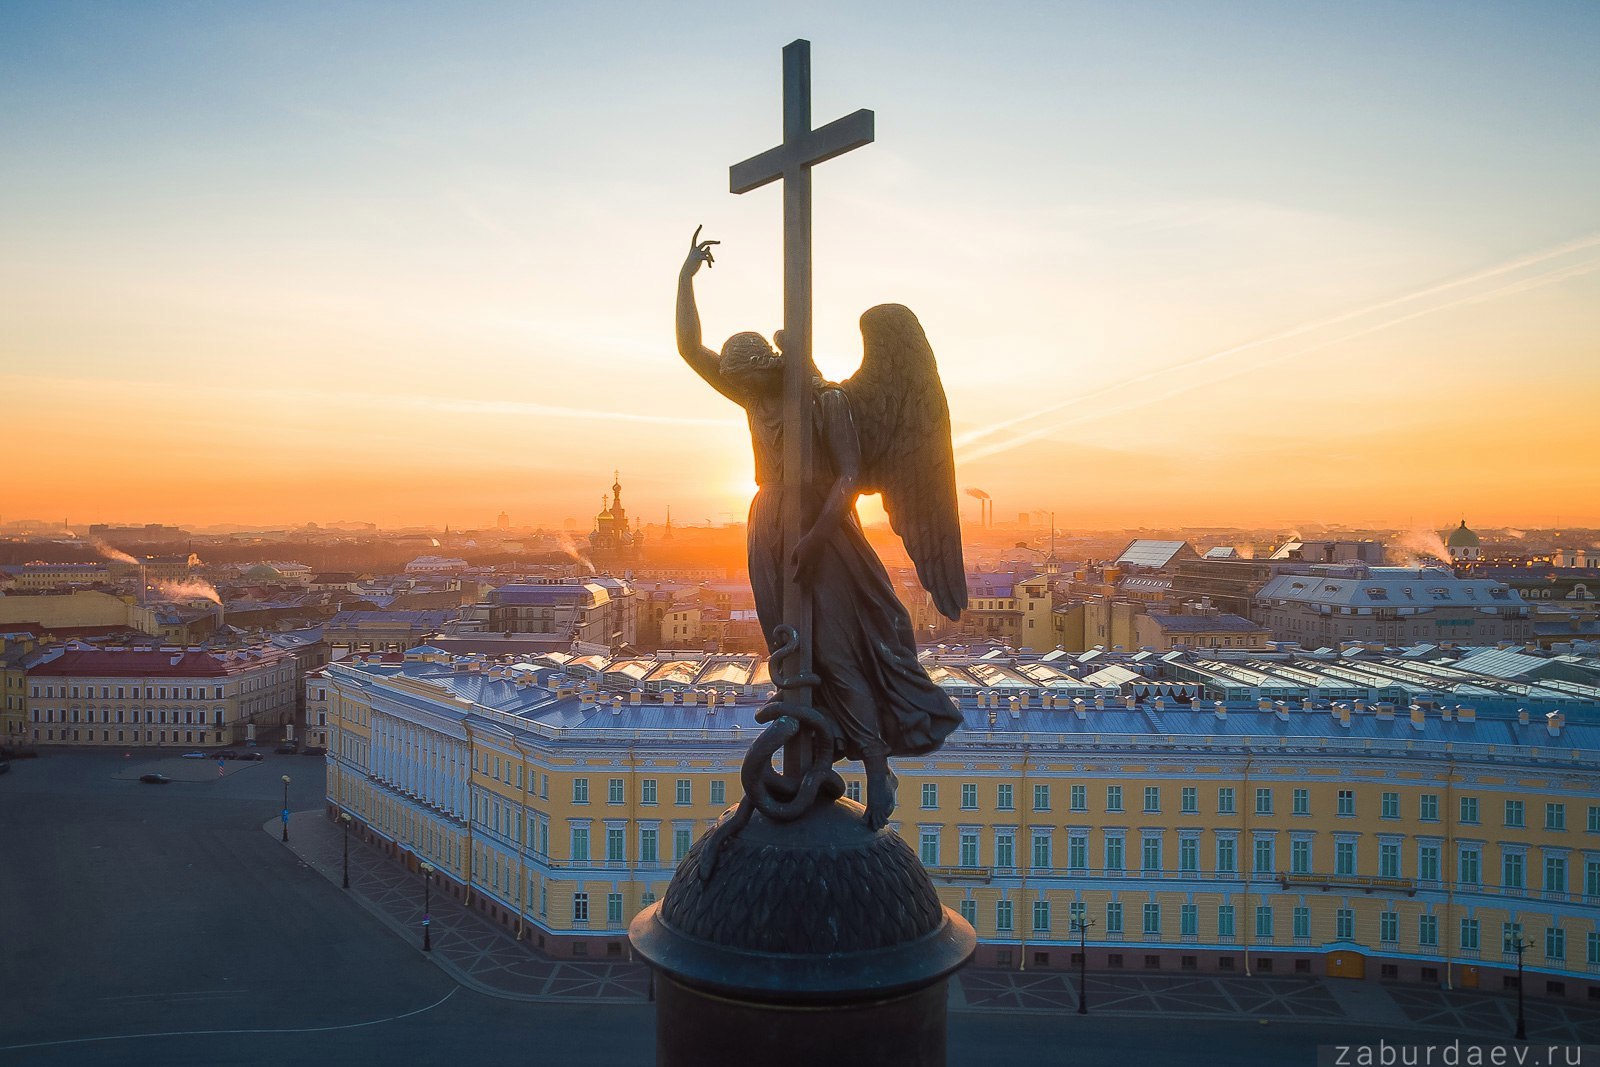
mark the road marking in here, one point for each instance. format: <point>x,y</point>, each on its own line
<point>222,1033</point>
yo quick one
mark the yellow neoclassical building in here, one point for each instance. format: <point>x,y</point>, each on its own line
<point>1350,838</point>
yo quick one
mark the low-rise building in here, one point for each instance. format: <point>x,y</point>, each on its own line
<point>1390,605</point>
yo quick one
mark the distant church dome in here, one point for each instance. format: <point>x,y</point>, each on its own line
<point>261,572</point>
<point>1461,537</point>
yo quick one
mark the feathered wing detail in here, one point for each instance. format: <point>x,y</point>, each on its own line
<point>903,420</point>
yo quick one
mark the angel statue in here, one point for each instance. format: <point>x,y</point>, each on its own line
<point>884,430</point>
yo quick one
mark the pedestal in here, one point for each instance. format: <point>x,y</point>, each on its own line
<point>812,941</point>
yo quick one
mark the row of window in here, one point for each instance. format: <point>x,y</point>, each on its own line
<point>649,791</point>
<point>1389,803</point>
<point>150,715</point>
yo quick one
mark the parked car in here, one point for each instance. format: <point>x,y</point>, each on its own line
<point>252,756</point>
<point>286,749</point>
<point>193,755</point>
<point>228,753</point>
<point>155,779</point>
<point>314,750</point>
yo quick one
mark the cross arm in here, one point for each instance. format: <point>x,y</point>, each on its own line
<point>817,146</point>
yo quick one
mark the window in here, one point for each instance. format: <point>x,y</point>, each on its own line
<point>1263,856</point>
<point>1114,917</point>
<point>1041,798</point>
<point>1594,948</point>
<point>580,790</point>
<point>1302,922</point>
<point>852,791</point>
<point>647,791</point>
<point>1389,927</point>
<point>1041,916</point>
<point>969,796</point>
<point>1225,920</point>
<point>929,850</point>
<point>1041,850</point>
<point>580,844</point>
<point>1150,859</point>
<point>1469,934</point>
<point>1427,929</point>
<point>930,795</point>
<point>1591,879</point>
<point>968,909</point>
<point>614,791</point>
<point>1428,863</point>
<point>1188,854</point>
<point>1344,924</point>
<point>1428,807</point>
<point>969,848</point>
<point>1002,798</point>
<point>1225,801</point>
<point>1004,849</point>
<point>1152,919</point>
<point>681,840</point>
<point>648,852</point>
<point>615,848</point>
<point>1514,814</point>
<point>1078,851</point>
<point>1555,816</point>
<point>685,791</point>
<point>1264,922</point>
<point>1344,857</point>
<point>1469,809</point>
<point>1346,802</point>
<point>614,909</point>
<point>1152,798</point>
<point>1114,853</point>
<point>580,907</point>
<point>1389,806</point>
<point>1080,797</point>
<point>1189,800</point>
<point>1300,857</point>
<point>1510,936</point>
<point>1467,866</point>
<point>1389,859</point>
<point>1076,911</point>
<point>1555,943</point>
<point>1594,818</point>
<point>1226,861</point>
<point>719,792</point>
<point>1263,802</point>
<point>1002,915</point>
<point>1189,920</point>
<point>1511,873</point>
<point>1555,874</point>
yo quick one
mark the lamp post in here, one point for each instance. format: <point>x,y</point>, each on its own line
<point>427,885</point>
<point>286,809</point>
<point>1522,1023</point>
<point>344,817</point>
<point>1082,926</point>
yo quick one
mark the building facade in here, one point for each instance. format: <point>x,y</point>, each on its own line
<point>171,696</point>
<point>1333,837</point>
<point>1390,605</point>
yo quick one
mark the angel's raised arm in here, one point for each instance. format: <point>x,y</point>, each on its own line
<point>690,344</point>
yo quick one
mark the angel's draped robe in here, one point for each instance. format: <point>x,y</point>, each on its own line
<point>863,647</point>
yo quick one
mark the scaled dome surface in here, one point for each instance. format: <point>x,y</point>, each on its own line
<point>1461,537</point>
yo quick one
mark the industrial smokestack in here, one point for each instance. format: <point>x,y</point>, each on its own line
<point>985,507</point>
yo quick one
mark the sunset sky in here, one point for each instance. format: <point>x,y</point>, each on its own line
<point>1204,263</point>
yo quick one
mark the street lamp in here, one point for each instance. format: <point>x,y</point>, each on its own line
<point>1082,926</point>
<point>286,809</point>
<point>427,884</point>
<point>344,817</point>
<point>1522,1023</point>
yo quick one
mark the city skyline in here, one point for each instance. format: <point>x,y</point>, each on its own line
<point>1242,266</point>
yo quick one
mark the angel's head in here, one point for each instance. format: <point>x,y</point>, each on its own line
<point>750,361</point>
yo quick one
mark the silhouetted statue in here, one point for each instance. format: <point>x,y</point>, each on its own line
<point>885,430</point>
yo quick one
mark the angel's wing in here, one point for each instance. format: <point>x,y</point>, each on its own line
<point>903,421</point>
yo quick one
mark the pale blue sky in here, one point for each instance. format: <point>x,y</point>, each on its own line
<point>381,214</point>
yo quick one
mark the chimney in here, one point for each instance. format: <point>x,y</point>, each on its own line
<point>1361,705</point>
<point>636,696</point>
<point>1100,700</point>
<point>1446,713</point>
<point>1344,716</point>
<point>1554,721</point>
<point>1130,701</point>
<point>711,700</point>
<point>1469,715</point>
<point>1281,712</point>
<point>1385,712</point>
<point>1308,704</point>
<point>691,697</point>
<point>992,717</point>
<point>1522,716</point>
<point>1078,709</point>
<point>1417,716</point>
<point>1047,699</point>
<point>1220,709</point>
<point>1263,704</point>
<point>1159,703</point>
<point>1016,708</point>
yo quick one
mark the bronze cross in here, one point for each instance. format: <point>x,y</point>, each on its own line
<point>791,161</point>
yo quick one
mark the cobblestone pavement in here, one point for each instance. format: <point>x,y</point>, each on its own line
<point>484,956</point>
<point>475,951</point>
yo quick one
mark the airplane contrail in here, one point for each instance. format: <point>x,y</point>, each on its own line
<point>1520,285</point>
<point>1510,265</point>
